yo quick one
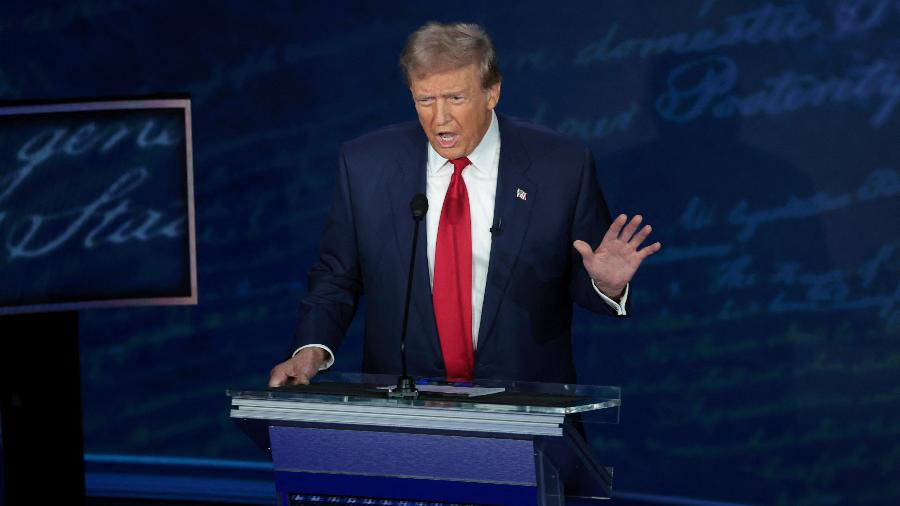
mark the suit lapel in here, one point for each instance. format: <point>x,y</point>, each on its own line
<point>408,181</point>
<point>512,210</point>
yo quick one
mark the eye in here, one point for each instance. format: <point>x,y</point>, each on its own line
<point>425,100</point>
<point>457,99</point>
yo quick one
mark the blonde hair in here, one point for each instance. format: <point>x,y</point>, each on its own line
<point>437,47</point>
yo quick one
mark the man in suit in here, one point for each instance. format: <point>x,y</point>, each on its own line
<point>511,206</point>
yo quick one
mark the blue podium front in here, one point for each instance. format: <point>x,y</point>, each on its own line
<point>343,441</point>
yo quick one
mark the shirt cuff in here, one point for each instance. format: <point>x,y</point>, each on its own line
<point>618,306</point>
<point>328,362</point>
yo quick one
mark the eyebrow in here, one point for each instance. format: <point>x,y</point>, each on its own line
<point>455,93</point>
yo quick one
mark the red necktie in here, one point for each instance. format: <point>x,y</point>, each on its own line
<point>452,290</point>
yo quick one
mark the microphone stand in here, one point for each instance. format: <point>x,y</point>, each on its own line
<point>406,386</point>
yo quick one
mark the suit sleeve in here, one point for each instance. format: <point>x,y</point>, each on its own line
<point>335,281</point>
<point>591,221</point>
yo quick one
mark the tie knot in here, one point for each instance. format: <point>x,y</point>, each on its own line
<point>459,164</point>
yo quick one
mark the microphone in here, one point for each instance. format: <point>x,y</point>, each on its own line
<point>497,228</point>
<point>406,386</point>
<point>418,206</point>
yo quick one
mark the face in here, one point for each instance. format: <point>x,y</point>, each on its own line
<point>454,110</point>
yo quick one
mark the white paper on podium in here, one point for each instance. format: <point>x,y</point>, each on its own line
<point>454,390</point>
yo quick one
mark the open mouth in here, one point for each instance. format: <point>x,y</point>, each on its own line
<point>447,139</point>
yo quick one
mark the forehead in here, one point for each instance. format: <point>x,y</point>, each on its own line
<point>459,79</point>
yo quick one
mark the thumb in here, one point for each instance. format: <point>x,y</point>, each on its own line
<point>583,248</point>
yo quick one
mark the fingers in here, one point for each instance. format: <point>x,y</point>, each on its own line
<point>291,372</point>
<point>639,237</point>
<point>277,377</point>
<point>583,248</point>
<point>299,379</point>
<point>628,231</point>
<point>624,230</point>
<point>295,378</point>
<point>614,229</point>
<point>649,250</point>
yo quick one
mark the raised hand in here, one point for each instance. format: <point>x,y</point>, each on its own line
<point>617,258</point>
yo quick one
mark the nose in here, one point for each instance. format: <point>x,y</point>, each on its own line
<point>442,112</point>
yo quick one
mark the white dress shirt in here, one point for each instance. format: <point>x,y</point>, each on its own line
<point>481,185</point>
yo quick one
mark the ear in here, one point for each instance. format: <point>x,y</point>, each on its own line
<point>493,95</point>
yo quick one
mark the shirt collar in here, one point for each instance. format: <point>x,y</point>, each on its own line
<point>482,157</point>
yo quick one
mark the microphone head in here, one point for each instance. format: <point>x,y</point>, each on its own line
<point>419,206</point>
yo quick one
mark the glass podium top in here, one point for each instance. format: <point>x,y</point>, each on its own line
<point>338,411</point>
<point>481,395</point>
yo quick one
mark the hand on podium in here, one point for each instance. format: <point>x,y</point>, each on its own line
<point>298,369</point>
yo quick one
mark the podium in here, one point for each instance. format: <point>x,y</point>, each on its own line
<point>340,440</point>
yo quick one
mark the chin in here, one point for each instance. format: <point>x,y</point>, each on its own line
<point>448,153</point>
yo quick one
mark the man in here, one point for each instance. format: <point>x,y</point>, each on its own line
<point>511,205</point>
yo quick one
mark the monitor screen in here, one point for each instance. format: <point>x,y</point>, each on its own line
<point>96,205</point>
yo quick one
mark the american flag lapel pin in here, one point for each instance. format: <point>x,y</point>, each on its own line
<point>521,195</point>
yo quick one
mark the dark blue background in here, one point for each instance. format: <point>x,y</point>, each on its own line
<point>761,359</point>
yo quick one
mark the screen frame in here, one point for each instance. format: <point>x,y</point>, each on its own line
<point>182,102</point>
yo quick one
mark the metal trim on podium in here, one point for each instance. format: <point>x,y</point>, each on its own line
<point>346,444</point>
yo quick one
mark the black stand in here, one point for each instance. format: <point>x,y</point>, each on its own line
<point>40,408</point>
<point>406,385</point>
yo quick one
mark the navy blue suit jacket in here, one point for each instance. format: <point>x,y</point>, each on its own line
<point>534,273</point>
